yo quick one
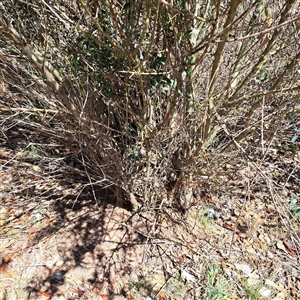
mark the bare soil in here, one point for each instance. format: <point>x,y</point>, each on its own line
<point>60,241</point>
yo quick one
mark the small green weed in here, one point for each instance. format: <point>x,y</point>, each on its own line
<point>216,285</point>
<point>206,222</point>
<point>253,290</point>
<point>33,150</point>
<point>295,209</point>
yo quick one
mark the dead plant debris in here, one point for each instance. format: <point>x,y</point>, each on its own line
<point>57,244</point>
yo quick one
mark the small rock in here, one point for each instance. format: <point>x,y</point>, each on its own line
<point>265,292</point>
<point>280,245</point>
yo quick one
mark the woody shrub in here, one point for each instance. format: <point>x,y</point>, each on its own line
<point>158,96</point>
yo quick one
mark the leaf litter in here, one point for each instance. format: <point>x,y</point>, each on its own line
<point>57,248</point>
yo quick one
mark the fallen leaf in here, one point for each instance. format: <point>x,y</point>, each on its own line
<point>214,201</point>
<point>187,294</point>
<point>244,268</point>
<point>280,296</point>
<point>227,226</point>
<point>4,272</point>
<point>5,261</point>
<point>251,281</point>
<point>162,295</point>
<point>288,246</point>
<point>284,193</point>
<point>5,154</point>
<point>274,285</point>
<point>78,292</point>
<point>103,296</point>
<point>280,245</point>
<point>265,292</point>
<point>45,294</point>
<point>298,284</point>
<point>157,281</point>
<point>188,277</point>
<point>292,254</point>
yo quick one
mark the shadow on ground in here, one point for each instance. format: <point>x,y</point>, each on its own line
<point>62,240</point>
<point>72,246</point>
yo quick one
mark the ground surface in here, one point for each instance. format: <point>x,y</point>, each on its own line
<point>58,243</point>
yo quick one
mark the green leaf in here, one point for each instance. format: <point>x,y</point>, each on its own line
<point>166,80</point>
<point>293,148</point>
<point>134,154</point>
<point>164,89</point>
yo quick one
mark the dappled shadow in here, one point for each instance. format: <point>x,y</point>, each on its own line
<point>65,239</point>
<point>77,230</point>
<point>94,246</point>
